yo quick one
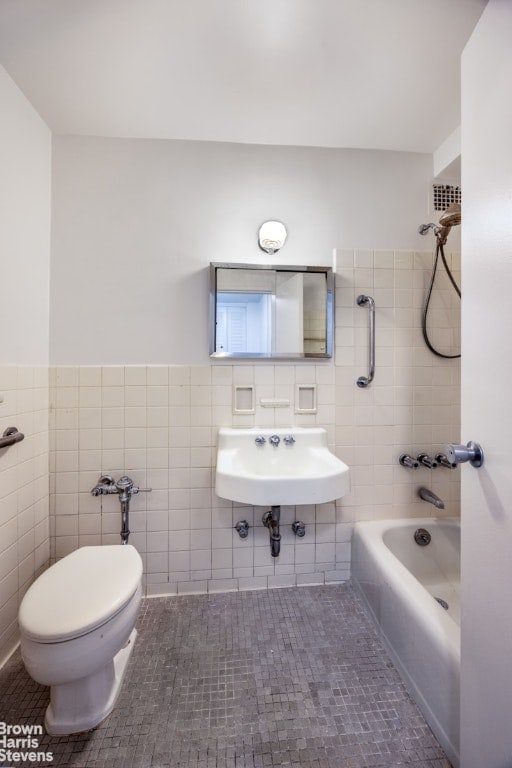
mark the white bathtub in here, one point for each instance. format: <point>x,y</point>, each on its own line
<point>399,580</point>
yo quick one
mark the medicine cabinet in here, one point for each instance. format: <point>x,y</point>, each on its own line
<point>283,312</point>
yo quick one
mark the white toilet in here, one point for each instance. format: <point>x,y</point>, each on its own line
<point>77,631</point>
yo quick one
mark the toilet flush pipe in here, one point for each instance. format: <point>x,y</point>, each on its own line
<point>125,489</point>
<point>125,518</point>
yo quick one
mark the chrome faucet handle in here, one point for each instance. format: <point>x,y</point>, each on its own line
<point>260,440</point>
<point>288,439</point>
<point>427,461</point>
<point>407,461</point>
<point>274,440</point>
<point>458,454</point>
<point>242,528</point>
<point>136,489</point>
<point>444,462</point>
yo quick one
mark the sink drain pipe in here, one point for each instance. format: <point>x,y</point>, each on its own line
<point>271,521</point>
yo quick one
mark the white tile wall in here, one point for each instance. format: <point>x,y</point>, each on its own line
<point>159,425</point>
<point>24,492</point>
<point>413,405</point>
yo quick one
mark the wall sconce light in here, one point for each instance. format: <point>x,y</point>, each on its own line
<point>272,236</point>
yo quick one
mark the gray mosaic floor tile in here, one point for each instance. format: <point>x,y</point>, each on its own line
<point>286,677</point>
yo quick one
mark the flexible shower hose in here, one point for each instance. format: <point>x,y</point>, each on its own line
<point>439,250</point>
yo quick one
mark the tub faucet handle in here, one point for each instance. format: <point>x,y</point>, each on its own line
<point>444,462</point>
<point>427,461</point>
<point>407,461</point>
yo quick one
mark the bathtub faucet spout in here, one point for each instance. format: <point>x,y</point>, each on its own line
<point>427,495</point>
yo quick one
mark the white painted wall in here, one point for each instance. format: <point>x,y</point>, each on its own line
<point>136,223</point>
<point>486,735</point>
<point>25,194</point>
<point>447,155</point>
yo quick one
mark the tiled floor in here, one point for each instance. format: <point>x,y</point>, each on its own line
<point>285,677</point>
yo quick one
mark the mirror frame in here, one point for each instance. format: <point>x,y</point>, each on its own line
<point>330,323</point>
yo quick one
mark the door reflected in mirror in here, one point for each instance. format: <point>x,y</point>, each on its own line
<point>271,311</point>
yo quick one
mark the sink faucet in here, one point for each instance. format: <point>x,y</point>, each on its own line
<point>427,495</point>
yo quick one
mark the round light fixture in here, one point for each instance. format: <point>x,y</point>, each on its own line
<point>272,236</point>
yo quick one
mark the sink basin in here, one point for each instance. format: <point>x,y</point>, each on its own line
<point>302,471</point>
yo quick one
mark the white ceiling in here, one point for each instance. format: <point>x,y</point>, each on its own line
<point>380,74</point>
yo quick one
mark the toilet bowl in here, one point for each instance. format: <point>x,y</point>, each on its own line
<point>77,631</point>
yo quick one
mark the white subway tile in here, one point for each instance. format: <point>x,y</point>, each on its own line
<point>192,587</point>
<point>89,397</point>
<point>89,376</point>
<point>135,396</point>
<point>112,396</point>
<point>306,578</point>
<point>157,562</point>
<point>65,376</point>
<point>157,416</point>
<point>135,376</point>
<point>252,582</point>
<point>112,376</point>
<point>158,396</point>
<point>179,375</point>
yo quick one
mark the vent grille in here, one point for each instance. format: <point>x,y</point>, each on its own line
<point>445,195</point>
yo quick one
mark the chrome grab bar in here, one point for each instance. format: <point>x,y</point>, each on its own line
<point>11,436</point>
<point>361,300</point>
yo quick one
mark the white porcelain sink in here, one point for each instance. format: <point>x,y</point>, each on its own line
<point>302,471</point>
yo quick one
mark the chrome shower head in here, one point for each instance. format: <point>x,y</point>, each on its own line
<point>450,218</point>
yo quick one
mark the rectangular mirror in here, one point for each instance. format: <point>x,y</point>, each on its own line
<point>271,311</point>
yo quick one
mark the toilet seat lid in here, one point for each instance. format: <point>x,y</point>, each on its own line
<point>80,592</point>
